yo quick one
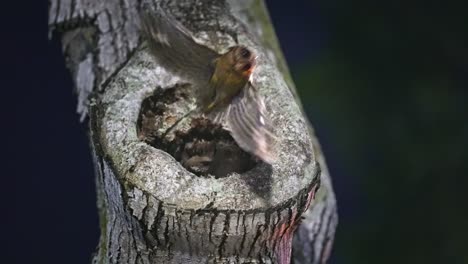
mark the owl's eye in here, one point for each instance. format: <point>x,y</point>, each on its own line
<point>245,53</point>
<point>246,67</point>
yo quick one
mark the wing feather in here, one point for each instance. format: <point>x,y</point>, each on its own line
<point>249,125</point>
<point>174,47</point>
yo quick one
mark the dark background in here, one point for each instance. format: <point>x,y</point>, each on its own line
<point>383,82</point>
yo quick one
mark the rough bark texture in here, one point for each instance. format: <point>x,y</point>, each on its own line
<point>152,210</point>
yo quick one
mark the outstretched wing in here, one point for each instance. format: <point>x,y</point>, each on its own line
<point>251,129</point>
<point>174,48</point>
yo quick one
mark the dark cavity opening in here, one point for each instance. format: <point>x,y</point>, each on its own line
<point>204,148</point>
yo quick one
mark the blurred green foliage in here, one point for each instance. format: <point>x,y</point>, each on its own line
<point>389,96</point>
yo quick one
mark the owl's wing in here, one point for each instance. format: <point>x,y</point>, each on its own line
<point>174,48</point>
<point>249,125</point>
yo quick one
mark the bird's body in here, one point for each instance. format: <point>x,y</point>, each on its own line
<point>221,82</point>
<point>231,74</point>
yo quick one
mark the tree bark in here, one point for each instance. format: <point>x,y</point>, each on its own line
<point>152,209</point>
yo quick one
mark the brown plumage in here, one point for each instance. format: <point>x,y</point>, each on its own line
<point>221,81</point>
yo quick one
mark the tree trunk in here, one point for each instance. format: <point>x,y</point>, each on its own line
<point>154,210</point>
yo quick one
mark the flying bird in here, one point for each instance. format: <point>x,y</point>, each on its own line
<point>222,82</point>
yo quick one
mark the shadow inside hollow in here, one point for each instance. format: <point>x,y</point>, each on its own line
<point>202,147</point>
